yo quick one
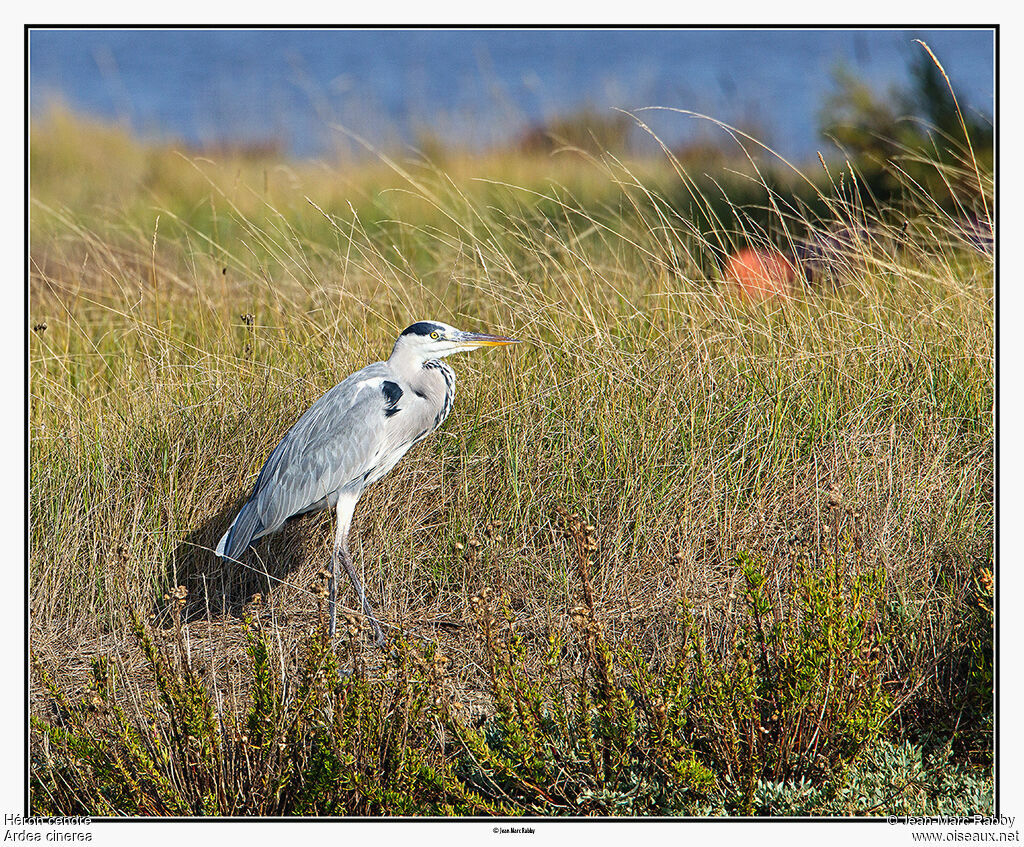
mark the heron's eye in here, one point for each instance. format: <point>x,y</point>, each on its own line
<point>435,335</point>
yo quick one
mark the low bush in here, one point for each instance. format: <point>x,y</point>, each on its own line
<point>783,712</point>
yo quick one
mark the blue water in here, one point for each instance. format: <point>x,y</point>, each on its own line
<point>475,87</point>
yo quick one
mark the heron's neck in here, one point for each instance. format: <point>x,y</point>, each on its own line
<point>441,378</point>
<point>406,363</point>
<point>415,369</point>
<point>443,367</point>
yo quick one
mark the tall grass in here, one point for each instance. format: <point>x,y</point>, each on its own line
<point>193,311</point>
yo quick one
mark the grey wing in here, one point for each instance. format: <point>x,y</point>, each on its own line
<point>350,437</point>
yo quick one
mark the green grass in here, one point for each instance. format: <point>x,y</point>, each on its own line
<point>194,308</point>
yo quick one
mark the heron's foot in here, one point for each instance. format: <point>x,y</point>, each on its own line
<point>353,624</point>
<point>368,613</point>
<point>381,640</point>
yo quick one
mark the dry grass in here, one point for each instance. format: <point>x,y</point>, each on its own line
<point>194,308</point>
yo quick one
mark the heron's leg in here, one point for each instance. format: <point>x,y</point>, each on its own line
<point>332,593</point>
<point>346,506</point>
<point>363,602</point>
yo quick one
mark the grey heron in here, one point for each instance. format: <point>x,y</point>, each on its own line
<point>350,438</point>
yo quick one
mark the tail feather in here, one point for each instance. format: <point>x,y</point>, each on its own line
<point>244,528</point>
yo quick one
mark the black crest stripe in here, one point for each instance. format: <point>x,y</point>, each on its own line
<point>422,328</point>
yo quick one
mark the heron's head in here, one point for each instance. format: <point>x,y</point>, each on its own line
<point>426,340</point>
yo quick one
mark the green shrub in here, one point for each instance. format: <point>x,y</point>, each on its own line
<point>786,718</point>
<point>886,779</point>
<point>594,732</point>
<point>320,743</point>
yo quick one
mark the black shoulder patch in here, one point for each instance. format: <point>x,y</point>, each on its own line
<point>421,328</point>
<point>392,392</point>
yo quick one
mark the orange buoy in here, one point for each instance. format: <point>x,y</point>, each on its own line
<point>760,274</point>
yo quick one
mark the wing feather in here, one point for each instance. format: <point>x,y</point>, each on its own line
<point>328,447</point>
<point>350,437</point>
